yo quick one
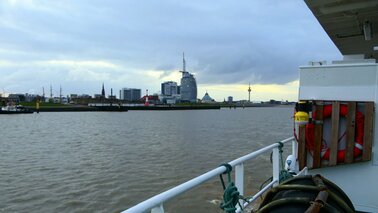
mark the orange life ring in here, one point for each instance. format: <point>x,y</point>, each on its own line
<point>327,112</point>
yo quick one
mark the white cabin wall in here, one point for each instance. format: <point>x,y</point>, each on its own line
<point>338,82</point>
<point>347,82</point>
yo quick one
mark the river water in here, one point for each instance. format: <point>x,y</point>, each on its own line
<point>109,161</point>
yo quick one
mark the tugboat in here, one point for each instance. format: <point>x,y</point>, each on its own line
<point>15,109</point>
<point>333,166</point>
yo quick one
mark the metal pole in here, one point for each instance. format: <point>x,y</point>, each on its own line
<point>239,179</point>
<point>294,152</point>
<point>276,166</point>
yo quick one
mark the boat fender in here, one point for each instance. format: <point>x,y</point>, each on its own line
<point>291,164</point>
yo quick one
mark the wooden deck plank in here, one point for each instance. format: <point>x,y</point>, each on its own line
<point>318,134</point>
<point>302,152</point>
<point>333,146</point>
<point>368,131</point>
<point>350,132</point>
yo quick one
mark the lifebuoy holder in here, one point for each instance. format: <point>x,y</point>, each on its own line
<point>359,134</point>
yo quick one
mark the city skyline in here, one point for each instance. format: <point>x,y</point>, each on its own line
<point>259,88</point>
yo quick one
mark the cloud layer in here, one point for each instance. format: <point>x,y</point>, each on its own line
<point>80,44</point>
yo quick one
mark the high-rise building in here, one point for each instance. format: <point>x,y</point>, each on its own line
<point>169,88</point>
<point>130,94</point>
<point>188,88</point>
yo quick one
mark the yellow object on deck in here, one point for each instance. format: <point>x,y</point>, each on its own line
<point>301,118</point>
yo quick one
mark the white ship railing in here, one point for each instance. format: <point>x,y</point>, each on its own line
<point>155,203</point>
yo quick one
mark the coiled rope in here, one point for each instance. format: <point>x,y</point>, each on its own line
<point>284,174</point>
<point>231,194</point>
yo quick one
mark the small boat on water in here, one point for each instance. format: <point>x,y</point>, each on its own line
<point>15,109</point>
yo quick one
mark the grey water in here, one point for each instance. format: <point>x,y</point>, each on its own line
<point>110,161</point>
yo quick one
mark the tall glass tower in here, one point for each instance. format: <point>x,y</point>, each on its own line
<point>188,85</point>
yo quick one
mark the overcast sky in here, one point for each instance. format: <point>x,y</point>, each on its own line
<point>79,44</point>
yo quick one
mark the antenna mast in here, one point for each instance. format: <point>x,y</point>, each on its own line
<point>60,93</point>
<point>183,62</point>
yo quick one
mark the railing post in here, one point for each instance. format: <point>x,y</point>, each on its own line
<point>276,166</point>
<point>239,179</point>
<point>294,153</point>
<point>158,209</point>
<point>294,148</point>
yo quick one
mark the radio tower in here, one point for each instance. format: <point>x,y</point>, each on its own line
<point>249,93</point>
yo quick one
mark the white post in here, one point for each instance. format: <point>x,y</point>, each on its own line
<point>158,209</point>
<point>239,179</point>
<point>294,152</point>
<point>294,146</point>
<point>276,166</point>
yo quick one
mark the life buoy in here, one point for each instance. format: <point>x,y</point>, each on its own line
<point>359,136</point>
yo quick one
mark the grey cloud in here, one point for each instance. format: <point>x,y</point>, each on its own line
<point>224,41</point>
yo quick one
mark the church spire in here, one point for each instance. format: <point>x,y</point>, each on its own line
<point>103,91</point>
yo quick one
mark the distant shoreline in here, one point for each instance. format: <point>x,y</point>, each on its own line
<point>121,108</point>
<point>117,108</point>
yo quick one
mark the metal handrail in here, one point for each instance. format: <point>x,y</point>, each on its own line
<point>156,202</point>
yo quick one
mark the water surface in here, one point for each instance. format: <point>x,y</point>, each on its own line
<point>109,161</point>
